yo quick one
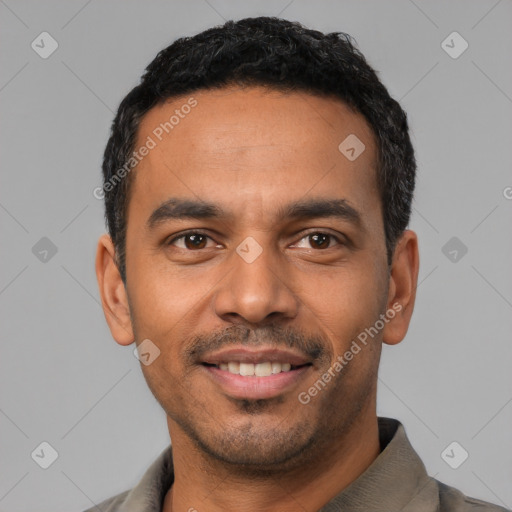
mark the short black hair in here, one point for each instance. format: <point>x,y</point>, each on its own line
<point>278,54</point>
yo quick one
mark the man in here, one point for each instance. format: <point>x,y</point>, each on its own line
<point>258,187</point>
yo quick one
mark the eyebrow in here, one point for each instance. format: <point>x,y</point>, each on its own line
<point>179,209</point>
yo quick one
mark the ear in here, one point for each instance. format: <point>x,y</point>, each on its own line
<point>402,287</point>
<point>113,293</point>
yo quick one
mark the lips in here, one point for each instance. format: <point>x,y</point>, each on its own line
<point>245,373</point>
<point>255,356</point>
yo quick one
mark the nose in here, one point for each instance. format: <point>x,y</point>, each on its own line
<point>257,287</point>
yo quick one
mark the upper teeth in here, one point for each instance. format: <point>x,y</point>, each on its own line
<point>259,369</point>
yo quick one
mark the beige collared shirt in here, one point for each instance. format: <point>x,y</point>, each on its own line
<point>395,481</point>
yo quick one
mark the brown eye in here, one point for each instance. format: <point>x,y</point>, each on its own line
<point>194,241</point>
<point>319,240</point>
<point>190,241</point>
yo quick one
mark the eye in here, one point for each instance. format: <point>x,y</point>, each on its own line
<point>319,240</point>
<point>196,240</point>
<point>191,240</point>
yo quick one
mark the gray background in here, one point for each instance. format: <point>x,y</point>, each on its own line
<point>65,381</point>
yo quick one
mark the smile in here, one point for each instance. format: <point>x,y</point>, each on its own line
<point>265,369</point>
<point>256,373</point>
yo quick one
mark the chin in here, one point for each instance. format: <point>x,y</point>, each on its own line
<point>258,449</point>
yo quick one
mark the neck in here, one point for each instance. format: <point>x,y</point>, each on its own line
<point>204,484</point>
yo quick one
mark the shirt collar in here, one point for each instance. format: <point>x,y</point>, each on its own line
<point>396,480</point>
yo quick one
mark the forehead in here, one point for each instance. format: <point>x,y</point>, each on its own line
<point>253,149</point>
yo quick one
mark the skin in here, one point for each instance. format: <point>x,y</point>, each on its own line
<point>252,151</point>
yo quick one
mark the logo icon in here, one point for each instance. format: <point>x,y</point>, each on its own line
<point>146,352</point>
<point>249,249</point>
<point>454,45</point>
<point>352,147</point>
<point>44,45</point>
<point>44,250</point>
<point>44,455</point>
<point>454,249</point>
<point>454,455</point>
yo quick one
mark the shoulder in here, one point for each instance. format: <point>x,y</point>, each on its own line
<point>451,500</point>
<point>110,504</point>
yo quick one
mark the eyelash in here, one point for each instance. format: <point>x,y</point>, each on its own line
<point>199,232</point>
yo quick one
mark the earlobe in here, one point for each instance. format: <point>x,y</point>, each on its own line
<point>113,295</point>
<point>402,287</point>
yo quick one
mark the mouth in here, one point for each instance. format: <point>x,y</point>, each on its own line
<point>256,374</point>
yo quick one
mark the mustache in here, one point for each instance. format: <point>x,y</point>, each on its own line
<point>314,347</point>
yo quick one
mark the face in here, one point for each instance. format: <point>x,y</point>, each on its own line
<point>255,245</point>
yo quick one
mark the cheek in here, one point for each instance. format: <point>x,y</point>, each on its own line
<point>349,293</point>
<point>167,303</point>
<point>349,302</point>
